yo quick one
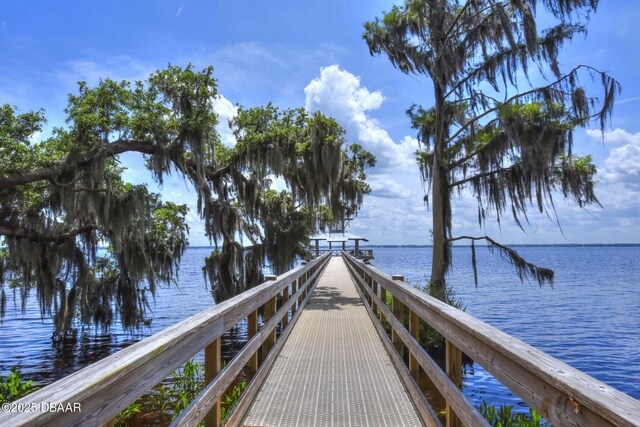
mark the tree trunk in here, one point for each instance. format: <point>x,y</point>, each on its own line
<point>440,207</point>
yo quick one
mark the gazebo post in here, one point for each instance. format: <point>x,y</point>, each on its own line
<point>317,248</point>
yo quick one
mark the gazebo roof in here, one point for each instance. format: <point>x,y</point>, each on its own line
<point>342,237</point>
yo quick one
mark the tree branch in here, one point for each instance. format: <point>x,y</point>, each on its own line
<point>524,268</point>
<point>35,236</point>
<point>50,173</point>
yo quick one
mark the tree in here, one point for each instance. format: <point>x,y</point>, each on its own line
<point>493,130</point>
<point>63,197</point>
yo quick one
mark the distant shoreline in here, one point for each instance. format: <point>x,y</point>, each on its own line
<point>521,245</point>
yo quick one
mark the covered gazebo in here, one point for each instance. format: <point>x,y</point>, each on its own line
<point>341,239</point>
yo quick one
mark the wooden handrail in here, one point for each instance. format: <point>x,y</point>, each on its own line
<point>110,385</point>
<point>560,393</point>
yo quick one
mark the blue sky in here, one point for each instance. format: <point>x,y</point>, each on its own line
<point>312,54</point>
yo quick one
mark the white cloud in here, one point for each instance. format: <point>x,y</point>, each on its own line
<point>339,94</point>
<point>91,71</point>
<point>394,212</point>
<point>36,137</point>
<point>385,186</point>
<point>622,166</point>
<point>225,111</point>
<point>616,136</point>
<point>179,10</point>
<point>619,175</point>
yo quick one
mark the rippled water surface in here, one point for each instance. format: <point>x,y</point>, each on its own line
<point>590,319</point>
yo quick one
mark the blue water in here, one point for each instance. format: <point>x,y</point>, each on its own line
<point>590,319</point>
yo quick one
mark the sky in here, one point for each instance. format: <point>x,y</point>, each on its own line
<point>312,55</point>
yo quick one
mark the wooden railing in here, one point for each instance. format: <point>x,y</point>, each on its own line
<point>360,253</point>
<point>561,394</point>
<point>103,389</point>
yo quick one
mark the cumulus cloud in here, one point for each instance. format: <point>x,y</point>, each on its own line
<point>616,136</point>
<point>622,166</point>
<point>339,94</point>
<point>225,111</point>
<point>394,212</point>
<point>386,187</point>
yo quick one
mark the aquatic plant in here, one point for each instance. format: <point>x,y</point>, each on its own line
<point>169,399</point>
<point>14,387</point>
<point>504,416</point>
<point>230,399</point>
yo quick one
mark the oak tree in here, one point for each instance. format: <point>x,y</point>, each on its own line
<point>64,197</point>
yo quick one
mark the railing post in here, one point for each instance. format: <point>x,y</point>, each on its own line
<point>294,289</point>
<point>374,287</point>
<point>285,299</point>
<point>212,366</point>
<point>383,297</point>
<point>453,368</point>
<point>269,311</point>
<point>252,330</point>
<point>397,308</point>
<point>414,330</point>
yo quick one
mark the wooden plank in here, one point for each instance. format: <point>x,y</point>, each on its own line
<point>294,290</point>
<point>235,418</point>
<point>414,330</point>
<point>252,330</point>
<point>449,391</point>
<point>107,387</point>
<point>333,349</point>
<point>285,298</point>
<point>212,366</point>
<point>212,392</point>
<point>398,312</point>
<point>562,394</point>
<point>453,368</point>
<point>427,415</point>
<point>269,311</point>
<point>374,286</point>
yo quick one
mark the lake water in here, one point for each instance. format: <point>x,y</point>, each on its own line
<point>590,319</point>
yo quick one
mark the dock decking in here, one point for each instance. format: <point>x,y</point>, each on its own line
<point>330,366</point>
<point>333,370</point>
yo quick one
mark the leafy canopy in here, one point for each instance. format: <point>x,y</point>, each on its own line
<point>504,112</point>
<point>62,197</point>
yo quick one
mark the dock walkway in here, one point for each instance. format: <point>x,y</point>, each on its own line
<point>333,370</point>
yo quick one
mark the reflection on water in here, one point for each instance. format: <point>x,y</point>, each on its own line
<point>589,319</point>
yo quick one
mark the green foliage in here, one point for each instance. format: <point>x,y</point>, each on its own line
<point>123,417</point>
<point>429,337</point>
<point>169,399</point>
<point>229,400</point>
<point>505,417</point>
<point>491,131</point>
<point>177,393</point>
<point>63,196</point>
<point>14,387</point>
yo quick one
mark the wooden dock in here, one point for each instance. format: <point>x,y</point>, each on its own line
<point>333,370</point>
<point>348,353</point>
